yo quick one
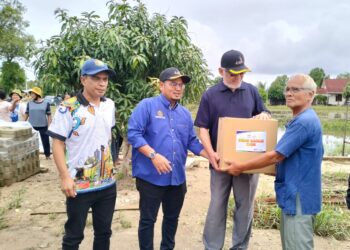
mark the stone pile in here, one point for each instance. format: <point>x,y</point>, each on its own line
<point>19,154</point>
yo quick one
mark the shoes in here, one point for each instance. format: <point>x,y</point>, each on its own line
<point>48,158</point>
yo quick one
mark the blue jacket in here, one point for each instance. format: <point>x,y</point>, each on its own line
<point>169,131</point>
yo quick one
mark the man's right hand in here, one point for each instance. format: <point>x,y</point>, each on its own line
<point>214,160</point>
<point>161,164</point>
<point>68,187</point>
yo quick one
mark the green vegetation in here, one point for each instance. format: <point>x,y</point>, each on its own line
<point>275,91</point>
<point>137,44</point>
<point>53,216</point>
<point>15,203</point>
<point>15,44</point>
<point>332,221</point>
<point>3,223</point>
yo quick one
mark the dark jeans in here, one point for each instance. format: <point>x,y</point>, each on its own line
<point>102,204</point>
<point>151,196</point>
<point>44,139</point>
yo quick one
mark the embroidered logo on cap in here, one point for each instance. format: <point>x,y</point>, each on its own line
<point>99,63</point>
<point>239,61</point>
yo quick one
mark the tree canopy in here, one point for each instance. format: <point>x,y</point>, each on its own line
<point>136,45</point>
<point>318,75</point>
<point>14,42</point>
<point>275,92</point>
<point>262,91</point>
<point>345,75</point>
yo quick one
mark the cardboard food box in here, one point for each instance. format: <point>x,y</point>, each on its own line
<point>242,139</point>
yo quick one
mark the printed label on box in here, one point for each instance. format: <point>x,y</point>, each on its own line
<point>250,141</point>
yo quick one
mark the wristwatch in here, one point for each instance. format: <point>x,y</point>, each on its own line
<point>152,155</point>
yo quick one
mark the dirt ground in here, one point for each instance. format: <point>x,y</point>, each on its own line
<point>41,193</point>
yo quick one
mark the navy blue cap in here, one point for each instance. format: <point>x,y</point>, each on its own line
<point>233,61</point>
<point>173,73</point>
<point>95,66</point>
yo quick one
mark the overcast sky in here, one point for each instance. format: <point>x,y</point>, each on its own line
<point>276,36</point>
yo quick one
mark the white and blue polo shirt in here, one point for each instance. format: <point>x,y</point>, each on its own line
<point>86,130</point>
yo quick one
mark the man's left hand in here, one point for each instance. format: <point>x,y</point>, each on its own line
<point>231,167</point>
<point>262,116</point>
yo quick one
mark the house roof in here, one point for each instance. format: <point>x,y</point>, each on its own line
<point>333,86</point>
<point>321,91</point>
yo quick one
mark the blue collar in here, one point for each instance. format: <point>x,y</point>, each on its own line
<point>166,102</point>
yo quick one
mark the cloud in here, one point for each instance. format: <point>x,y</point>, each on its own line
<point>276,36</point>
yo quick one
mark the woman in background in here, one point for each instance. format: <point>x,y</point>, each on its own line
<point>39,113</point>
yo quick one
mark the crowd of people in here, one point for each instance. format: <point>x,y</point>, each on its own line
<point>29,106</point>
<point>161,131</point>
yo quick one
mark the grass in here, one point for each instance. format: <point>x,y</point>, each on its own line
<point>53,216</point>
<point>15,203</point>
<point>16,200</point>
<point>333,220</point>
<point>3,223</point>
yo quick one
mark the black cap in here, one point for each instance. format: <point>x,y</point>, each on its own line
<point>173,73</point>
<point>233,61</point>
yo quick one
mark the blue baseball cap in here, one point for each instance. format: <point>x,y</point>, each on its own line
<point>95,66</point>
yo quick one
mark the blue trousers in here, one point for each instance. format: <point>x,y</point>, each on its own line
<point>102,204</point>
<point>151,196</point>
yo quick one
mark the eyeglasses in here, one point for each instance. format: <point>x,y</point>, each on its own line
<point>294,90</point>
<point>175,84</point>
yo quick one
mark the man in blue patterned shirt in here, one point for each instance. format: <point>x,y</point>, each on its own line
<point>161,131</point>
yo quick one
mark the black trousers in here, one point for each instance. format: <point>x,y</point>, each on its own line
<point>44,139</point>
<point>102,204</point>
<point>151,196</point>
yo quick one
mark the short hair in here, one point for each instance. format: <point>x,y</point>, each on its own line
<point>2,94</point>
<point>308,82</point>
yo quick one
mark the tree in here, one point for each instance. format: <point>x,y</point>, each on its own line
<point>318,75</point>
<point>136,45</point>
<point>346,93</point>
<point>12,76</point>
<point>14,43</point>
<point>275,92</point>
<point>345,75</point>
<point>262,91</point>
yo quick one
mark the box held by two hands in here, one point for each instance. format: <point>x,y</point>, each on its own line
<point>241,139</point>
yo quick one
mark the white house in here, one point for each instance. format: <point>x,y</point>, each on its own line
<point>333,89</point>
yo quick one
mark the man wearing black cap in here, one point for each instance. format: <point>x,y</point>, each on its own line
<point>82,128</point>
<point>161,131</point>
<point>231,97</point>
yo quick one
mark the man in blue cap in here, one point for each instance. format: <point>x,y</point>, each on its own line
<point>81,132</point>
